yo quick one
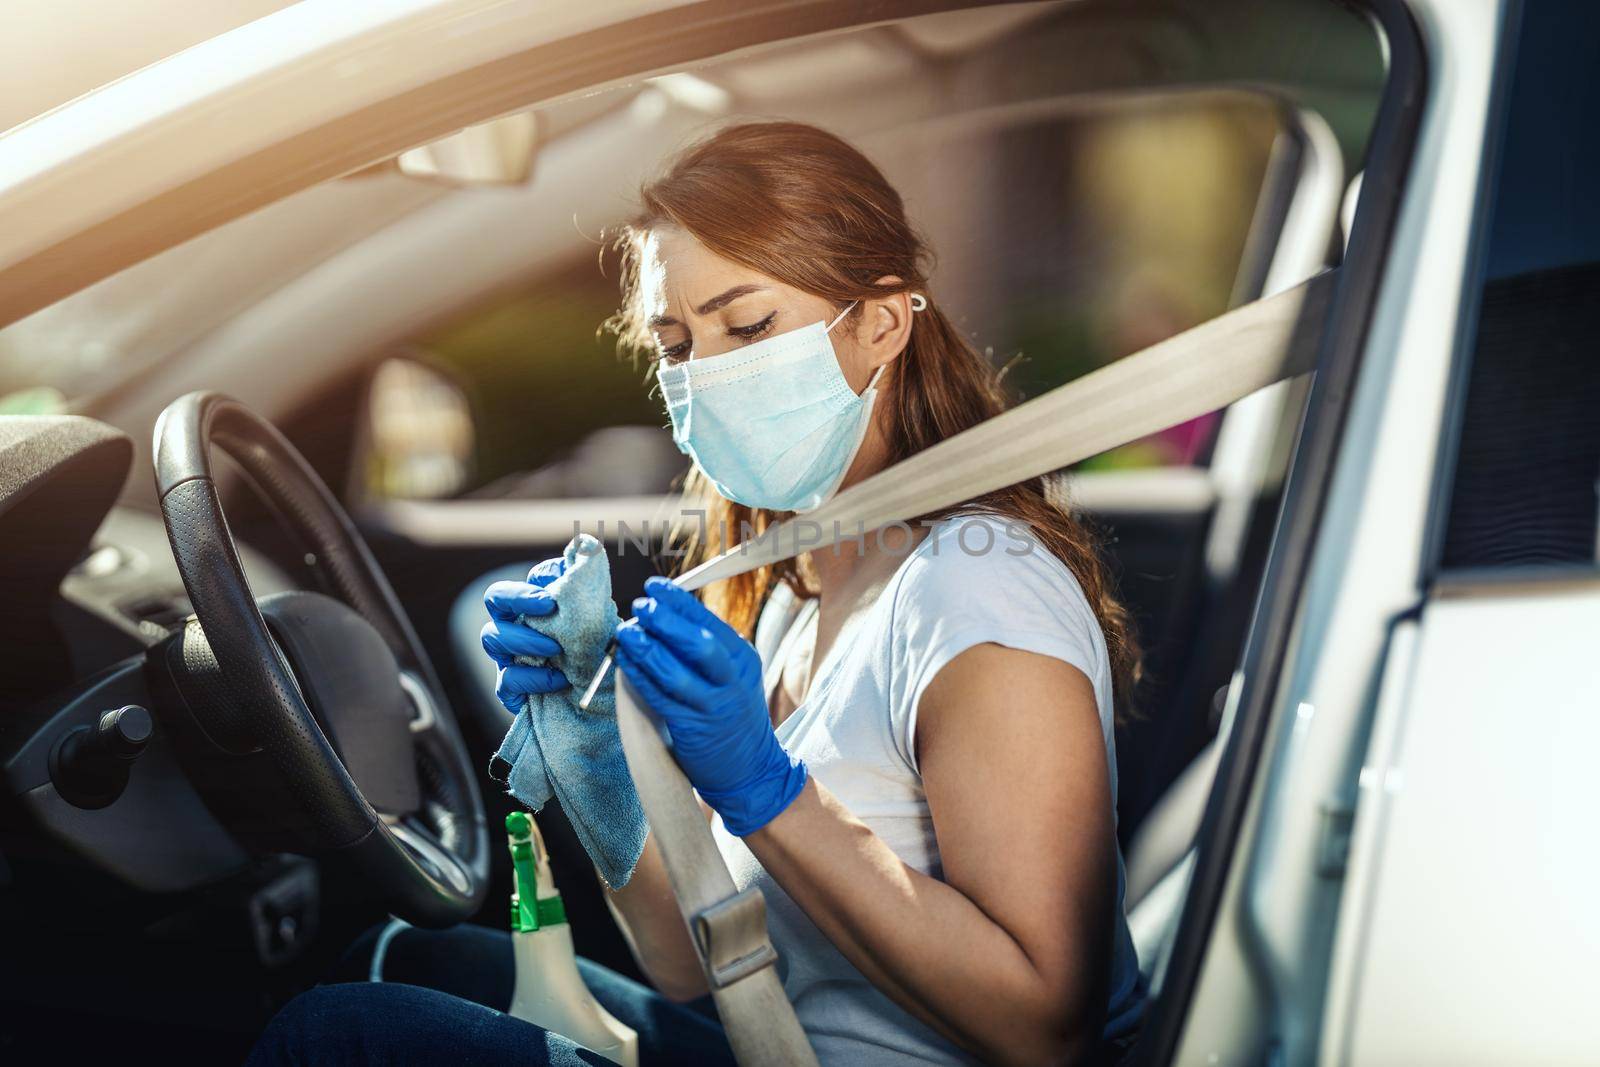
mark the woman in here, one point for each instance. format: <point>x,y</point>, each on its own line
<point>918,769</point>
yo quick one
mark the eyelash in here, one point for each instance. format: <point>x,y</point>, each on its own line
<point>744,333</point>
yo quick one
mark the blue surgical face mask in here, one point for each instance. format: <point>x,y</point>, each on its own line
<point>773,425</point>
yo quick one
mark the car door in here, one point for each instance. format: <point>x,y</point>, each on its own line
<point>1399,888</point>
<point>1463,882</point>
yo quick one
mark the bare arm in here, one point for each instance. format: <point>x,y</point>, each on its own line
<point>648,915</point>
<point>1008,956</point>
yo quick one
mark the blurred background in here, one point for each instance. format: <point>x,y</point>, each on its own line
<point>1062,243</point>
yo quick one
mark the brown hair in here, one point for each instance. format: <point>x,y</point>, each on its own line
<point>798,204</point>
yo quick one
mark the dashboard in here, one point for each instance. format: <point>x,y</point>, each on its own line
<point>90,587</point>
<point>148,823</point>
<point>127,578</point>
<point>86,580</point>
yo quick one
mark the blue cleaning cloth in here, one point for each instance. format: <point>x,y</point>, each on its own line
<point>556,749</point>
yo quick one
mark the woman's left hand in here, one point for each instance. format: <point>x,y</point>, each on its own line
<point>704,680</point>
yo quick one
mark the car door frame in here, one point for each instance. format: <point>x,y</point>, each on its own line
<point>1249,970</point>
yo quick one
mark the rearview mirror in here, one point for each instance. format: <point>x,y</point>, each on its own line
<point>499,152</point>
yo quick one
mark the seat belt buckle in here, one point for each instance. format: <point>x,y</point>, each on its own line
<point>732,937</point>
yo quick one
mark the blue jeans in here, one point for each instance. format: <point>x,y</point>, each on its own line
<point>442,1000</point>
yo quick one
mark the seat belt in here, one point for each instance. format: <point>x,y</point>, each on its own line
<point>1195,372</point>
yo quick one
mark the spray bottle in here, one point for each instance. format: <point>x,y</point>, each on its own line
<point>549,991</point>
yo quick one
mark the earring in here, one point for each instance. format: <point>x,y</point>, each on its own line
<point>918,302</point>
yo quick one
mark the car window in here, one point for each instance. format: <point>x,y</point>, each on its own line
<point>1064,242</point>
<point>558,413</point>
<point>1523,489</point>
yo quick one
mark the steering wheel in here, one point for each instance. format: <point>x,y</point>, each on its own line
<point>318,722</point>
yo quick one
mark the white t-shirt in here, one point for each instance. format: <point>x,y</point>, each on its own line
<point>973,579</point>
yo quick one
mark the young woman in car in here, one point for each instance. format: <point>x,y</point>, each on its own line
<point>924,783</point>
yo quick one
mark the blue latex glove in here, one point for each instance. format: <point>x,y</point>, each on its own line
<point>509,633</point>
<point>704,681</point>
<point>548,635</point>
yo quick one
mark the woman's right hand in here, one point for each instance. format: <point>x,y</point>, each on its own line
<point>509,633</point>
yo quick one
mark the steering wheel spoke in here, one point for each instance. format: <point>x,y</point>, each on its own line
<point>428,851</point>
<point>424,710</point>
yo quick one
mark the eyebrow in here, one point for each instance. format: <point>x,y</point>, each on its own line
<point>720,300</point>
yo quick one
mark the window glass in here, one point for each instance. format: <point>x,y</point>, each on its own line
<point>558,412</point>
<point>1124,231</point>
<point>1062,241</point>
<point>1524,484</point>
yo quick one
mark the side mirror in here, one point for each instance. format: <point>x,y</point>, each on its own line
<point>417,439</point>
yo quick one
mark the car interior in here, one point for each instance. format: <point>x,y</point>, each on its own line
<point>356,406</point>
